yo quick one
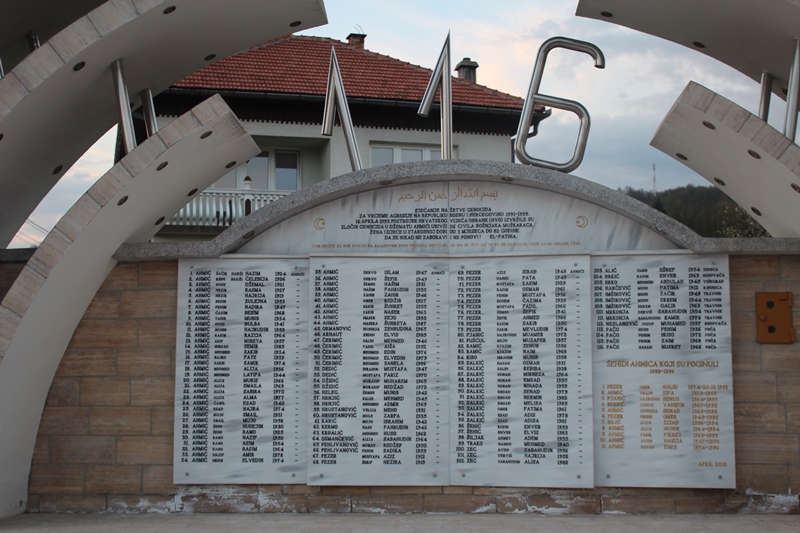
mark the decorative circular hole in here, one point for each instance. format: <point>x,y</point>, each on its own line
<point>122,200</point>
<point>795,186</point>
<point>231,164</point>
<point>206,135</point>
<point>771,329</point>
<point>295,24</point>
<point>192,192</point>
<point>698,44</point>
<point>79,65</point>
<point>682,157</point>
<point>754,154</point>
<point>58,169</point>
<point>719,182</point>
<point>709,125</point>
<point>162,166</point>
<point>606,14</point>
<point>209,57</point>
<point>159,221</point>
<point>504,178</point>
<point>386,182</point>
<point>249,235</point>
<point>770,304</point>
<point>170,9</point>
<point>755,210</point>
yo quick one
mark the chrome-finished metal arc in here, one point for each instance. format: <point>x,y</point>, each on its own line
<point>441,76</point>
<point>766,95</point>
<point>149,110</point>
<point>124,104</point>
<point>792,96</point>
<point>335,97</point>
<point>526,120</point>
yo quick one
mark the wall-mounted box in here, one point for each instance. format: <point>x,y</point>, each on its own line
<point>774,317</point>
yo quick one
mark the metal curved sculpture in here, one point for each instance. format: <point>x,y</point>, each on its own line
<point>533,98</point>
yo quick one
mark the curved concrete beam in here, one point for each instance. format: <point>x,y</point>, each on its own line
<point>46,17</point>
<point>742,155</point>
<point>44,306</point>
<point>749,36</point>
<point>60,99</point>
<point>406,173</point>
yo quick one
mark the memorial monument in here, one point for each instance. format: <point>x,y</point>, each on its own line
<point>439,336</point>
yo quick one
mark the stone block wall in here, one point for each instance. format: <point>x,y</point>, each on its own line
<point>105,440</point>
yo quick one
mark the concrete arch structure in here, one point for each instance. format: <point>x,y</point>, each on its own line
<point>408,173</point>
<point>22,18</point>
<point>750,37</point>
<point>749,160</point>
<point>737,151</point>
<point>41,311</point>
<point>60,99</point>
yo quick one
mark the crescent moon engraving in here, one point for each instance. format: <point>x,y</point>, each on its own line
<point>320,223</point>
<point>581,221</point>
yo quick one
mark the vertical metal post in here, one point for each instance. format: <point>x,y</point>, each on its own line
<point>2,72</point>
<point>790,124</point>
<point>766,96</point>
<point>441,75</point>
<point>124,103</point>
<point>33,40</point>
<point>149,110</point>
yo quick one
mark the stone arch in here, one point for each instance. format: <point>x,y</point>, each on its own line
<point>42,309</point>
<point>60,99</point>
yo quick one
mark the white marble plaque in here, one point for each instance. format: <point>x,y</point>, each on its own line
<point>241,371</point>
<point>456,218</point>
<point>521,381</point>
<point>662,372</point>
<point>378,359</point>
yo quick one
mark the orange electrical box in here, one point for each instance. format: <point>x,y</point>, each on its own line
<point>774,317</point>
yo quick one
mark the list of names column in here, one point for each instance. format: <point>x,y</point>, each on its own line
<point>379,374</point>
<point>241,361</point>
<point>521,383</point>
<point>662,371</point>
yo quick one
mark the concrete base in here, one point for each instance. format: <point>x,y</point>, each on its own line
<point>198,523</point>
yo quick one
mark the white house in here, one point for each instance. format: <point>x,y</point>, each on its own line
<point>278,89</point>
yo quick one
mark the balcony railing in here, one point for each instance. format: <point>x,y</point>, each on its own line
<point>223,207</point>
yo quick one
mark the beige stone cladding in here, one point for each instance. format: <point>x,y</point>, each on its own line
<point>105,439</point>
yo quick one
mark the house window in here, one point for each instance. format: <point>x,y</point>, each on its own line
<point>264,173</point>
<point>387,155</point>
<point>287,175</point>
<point>258,171</point>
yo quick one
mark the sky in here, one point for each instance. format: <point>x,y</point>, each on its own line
<point>627,100</point>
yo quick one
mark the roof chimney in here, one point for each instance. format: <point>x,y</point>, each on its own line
<point>356,40</point>
<point>466,70</point>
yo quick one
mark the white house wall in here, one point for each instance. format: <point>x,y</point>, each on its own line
<point>468,146</point>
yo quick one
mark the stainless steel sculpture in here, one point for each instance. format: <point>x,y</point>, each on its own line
<point>441,75</point>
<point>793,95</point>
<point>534,98</point>
<point>124,105</point>
<point>766,95</point>
<point>149,111</point>
<point>335,97</point>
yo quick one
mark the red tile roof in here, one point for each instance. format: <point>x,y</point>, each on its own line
<point>299,65</point>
